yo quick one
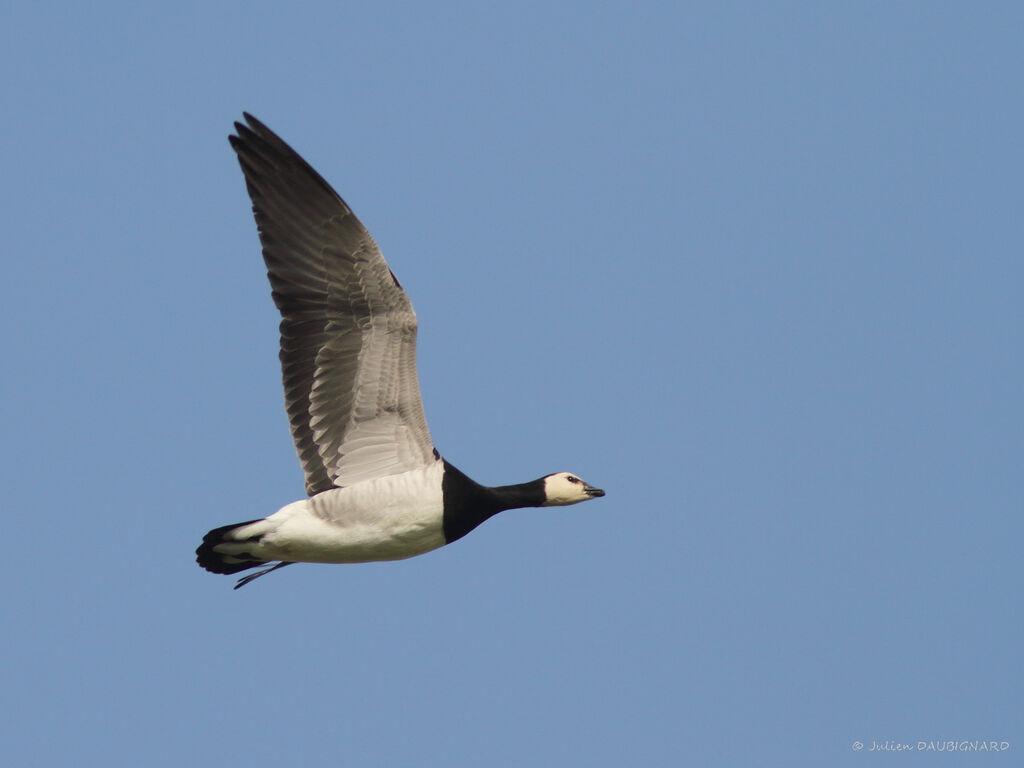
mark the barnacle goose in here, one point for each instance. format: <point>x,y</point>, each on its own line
<point>378,489</point>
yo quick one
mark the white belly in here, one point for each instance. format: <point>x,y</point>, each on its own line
<point>386,518</point>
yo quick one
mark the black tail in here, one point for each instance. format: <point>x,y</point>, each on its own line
<point>217,562</point>
<point>239,560</point>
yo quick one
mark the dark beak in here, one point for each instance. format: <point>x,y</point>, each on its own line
<point>592,492</point>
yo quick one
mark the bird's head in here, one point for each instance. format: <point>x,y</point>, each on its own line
<point>564,488</point>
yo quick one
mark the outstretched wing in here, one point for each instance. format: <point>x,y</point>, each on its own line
<point>348,330</point>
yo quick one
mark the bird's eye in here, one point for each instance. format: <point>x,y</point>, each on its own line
<point>572,479</point>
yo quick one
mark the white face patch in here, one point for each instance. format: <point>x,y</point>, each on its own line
<point>564,488</point>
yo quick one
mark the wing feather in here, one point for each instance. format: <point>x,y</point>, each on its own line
<point>348,329</point>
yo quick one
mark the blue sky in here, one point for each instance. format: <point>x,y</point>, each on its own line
<point>756,271</point>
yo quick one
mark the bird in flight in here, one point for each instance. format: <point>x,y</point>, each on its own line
<point>377,487</point>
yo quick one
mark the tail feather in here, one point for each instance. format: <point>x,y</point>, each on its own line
<point>223,551</point>
<point>220,562</point>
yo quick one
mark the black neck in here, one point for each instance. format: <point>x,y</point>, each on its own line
<point>467,503</point>
<point>529,494</point>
